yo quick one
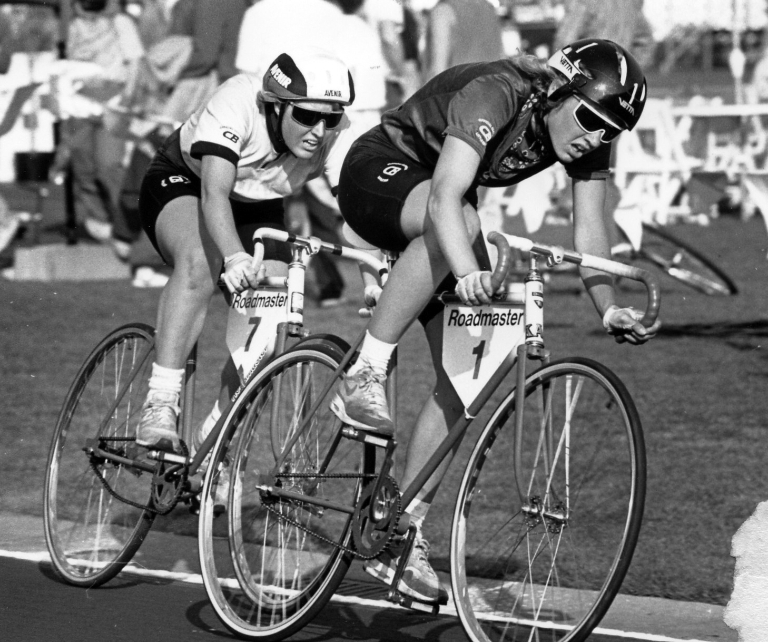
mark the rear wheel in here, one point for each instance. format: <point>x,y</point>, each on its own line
<point>93,533</point>
<point>283,558</point>
<point>684,263</point>
<point>539,548</point>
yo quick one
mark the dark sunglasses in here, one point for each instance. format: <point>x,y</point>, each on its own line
<point>309,118</point>
<point>590,121</point>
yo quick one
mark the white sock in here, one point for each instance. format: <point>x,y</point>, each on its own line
<point>373,353</point>
<point>166,380</point>
<point>417,510</point>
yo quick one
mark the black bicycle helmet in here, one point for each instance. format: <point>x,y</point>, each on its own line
<point>605,75</point>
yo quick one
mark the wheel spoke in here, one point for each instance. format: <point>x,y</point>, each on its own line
<point>555,559</point>
<point>90,533</point>
<point>283,554</point>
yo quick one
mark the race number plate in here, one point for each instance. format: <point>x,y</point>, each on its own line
<point>252,327</point>
<point>475,342</point>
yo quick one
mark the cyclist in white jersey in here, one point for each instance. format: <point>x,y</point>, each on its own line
<point>220,176</point>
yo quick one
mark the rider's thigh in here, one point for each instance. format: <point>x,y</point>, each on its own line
<point>415,221</point>
<point>186,244</point>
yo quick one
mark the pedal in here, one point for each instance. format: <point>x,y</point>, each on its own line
<point>366,437</point>
<point>194,507</point>
<point>161,455</point>
<point>408,602</point>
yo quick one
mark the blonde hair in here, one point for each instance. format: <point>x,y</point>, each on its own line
<point>543,77</point>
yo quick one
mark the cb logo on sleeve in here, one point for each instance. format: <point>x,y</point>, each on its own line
<point>231,136</point>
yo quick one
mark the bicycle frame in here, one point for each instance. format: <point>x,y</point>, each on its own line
<point>531,348</point>
<point>293,285</point>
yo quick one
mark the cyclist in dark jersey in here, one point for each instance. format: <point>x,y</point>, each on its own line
<point>410,184</point>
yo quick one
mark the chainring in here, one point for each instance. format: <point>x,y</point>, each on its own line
<point>372,537</point>
<point>168,488</point>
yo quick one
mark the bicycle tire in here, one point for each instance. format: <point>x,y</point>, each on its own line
<point>684,263</point>
<point>540,549</point>
<point>91,534</point>
<point>270,591</point>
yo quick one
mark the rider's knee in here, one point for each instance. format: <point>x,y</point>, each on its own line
<point>193,270</point>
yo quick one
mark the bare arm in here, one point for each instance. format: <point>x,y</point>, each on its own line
<point>590,235</point>
<point>454,174</point>
<point>218,178</point>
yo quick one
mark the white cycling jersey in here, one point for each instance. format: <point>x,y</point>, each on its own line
<point>232,125</point>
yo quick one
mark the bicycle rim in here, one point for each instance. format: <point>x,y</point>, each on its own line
<point>90,533</point>
<point>270,577</point>
<point>684,263</point>
<point>539,549</point>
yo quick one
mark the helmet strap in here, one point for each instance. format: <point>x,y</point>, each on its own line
<point>275,127</point>
<point>561,93</point>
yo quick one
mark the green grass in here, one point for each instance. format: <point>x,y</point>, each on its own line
<point>701,388</point>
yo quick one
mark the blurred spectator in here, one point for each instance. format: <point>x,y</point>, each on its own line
<point>757,91</point>
<point>461,31</point>
<point>271,26</point>
<point>387,18</point>
<point>338,27</point>
<point>214,26</point>
<point>411,72</point>
<point>622,21</point>
<point>152,21</point>
<point>100,34</point>
<point>6,39</point>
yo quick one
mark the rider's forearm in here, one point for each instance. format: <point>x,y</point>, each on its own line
<point>447,218</point>
<point>217,215</point>
<point>599,285</point>
<point>590,236</point>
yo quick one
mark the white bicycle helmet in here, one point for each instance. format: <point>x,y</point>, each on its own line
<point>308,76</point>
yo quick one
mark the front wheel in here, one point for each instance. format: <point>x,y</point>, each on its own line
<point>96,513</point>
<point>270,564</point>
<point>684,262</point>
<point>547,519</point>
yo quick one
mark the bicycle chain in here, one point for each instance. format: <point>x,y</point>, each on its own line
<point>125,500</point>
<point>323,538</point>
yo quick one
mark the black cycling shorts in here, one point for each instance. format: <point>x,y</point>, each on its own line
<point>376,179</point>
<point>168,178</point>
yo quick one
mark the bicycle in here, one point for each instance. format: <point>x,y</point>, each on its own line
<point>676,258</point>
<point>549,507</point>
<point>102,491</point>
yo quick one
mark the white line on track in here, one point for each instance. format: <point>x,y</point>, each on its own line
<point>194,578</point>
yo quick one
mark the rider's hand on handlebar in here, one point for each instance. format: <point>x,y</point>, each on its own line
<point>475,288</point>
<point>624,325</point>
<point>371,295</point>
<point>239,274</point>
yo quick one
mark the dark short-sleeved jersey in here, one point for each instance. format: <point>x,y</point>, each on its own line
<point>495,109</point>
